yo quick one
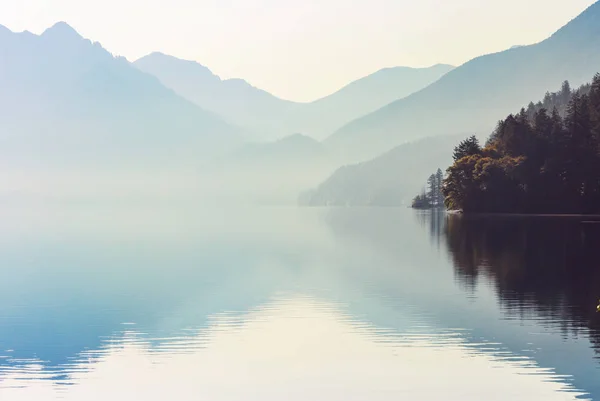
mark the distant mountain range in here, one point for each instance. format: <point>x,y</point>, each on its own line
<point>66,100</point>
<point>270,117</point>
<point>472,97</point>
<point>292,149</point>
<point>391,179</point>
<point>234,99</point>
<point>274,172</point>
<point>322,117</point>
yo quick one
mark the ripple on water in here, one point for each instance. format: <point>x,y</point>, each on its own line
<point>297,345</point>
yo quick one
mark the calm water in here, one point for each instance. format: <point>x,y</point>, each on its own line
<point>134,303</point>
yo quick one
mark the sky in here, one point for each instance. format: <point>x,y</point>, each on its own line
<point>301,49</point>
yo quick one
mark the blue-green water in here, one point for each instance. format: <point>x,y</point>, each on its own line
<point>131,303</point>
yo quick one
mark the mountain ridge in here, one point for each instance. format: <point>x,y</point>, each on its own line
<point>65,97</point>
<point>471,97</point>
<point>240,102</point>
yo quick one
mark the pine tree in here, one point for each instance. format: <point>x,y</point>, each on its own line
<point>565,92</point>
<point>439,181</point>
<point>431,189</point>
<point>468,147</point>
<point>542,124</point>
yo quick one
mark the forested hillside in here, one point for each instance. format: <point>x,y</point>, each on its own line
<point>536,161</point>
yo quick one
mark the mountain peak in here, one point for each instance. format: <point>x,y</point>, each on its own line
<point>63,31</point>
<point>162,57</point>
<point>442,66</point>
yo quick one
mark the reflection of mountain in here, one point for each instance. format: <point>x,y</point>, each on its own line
<point>404,270</point>
<point>71,276</point>
<point>88,297</point>
<point>66,285</point>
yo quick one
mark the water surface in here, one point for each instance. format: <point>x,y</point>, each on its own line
<point>162,303</point>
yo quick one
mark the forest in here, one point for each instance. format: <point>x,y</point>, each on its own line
<point>545,159</point>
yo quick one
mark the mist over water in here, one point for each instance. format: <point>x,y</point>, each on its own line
<point>179,302</point>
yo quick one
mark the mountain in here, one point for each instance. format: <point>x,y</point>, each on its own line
<point>322,117</point>
<point>473,96</point>
<point>274,172</point>
<point>234,99</point>
<point>270,117</point>
<point>296,148</point>
<point>66,100</point>
<point>391,179</point>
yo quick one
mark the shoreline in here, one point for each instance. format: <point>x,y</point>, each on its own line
<point>594,217</point>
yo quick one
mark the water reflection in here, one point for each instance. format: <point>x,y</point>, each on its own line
<point>296,348</point>
<point>545,274</point>
<point>541,267</point>
<point>335,304</point>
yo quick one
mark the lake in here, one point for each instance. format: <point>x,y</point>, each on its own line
<point>133,302</point>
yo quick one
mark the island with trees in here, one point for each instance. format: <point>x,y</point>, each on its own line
<point>543,160</point>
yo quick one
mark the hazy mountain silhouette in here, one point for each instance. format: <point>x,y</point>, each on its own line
<point>274,172</point>
<point>364,96</point>
<point>472,97</point>
<point>270,117</point>
<point>65,99</point>
<point>391,179</point>
<point>290,149</point>
<point>234,99</point>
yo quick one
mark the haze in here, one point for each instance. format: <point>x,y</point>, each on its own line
<point>300,50</point>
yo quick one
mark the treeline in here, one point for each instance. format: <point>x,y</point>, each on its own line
<point>557,100</point>
<point>432,197</point>
<point>537,161</point>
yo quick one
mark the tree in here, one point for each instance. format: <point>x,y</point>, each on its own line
<point>439,182</point>
<point>531,111</point>
<point>565,92</point>
<point>542,123</point>
<point>421,201</point>
<point>468,147</point>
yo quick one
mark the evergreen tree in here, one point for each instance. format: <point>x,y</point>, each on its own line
<point>432,189</point>
<point>565,92</point>
<point>468,147</point>
<point>439,181</point>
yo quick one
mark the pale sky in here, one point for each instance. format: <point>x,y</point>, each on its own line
<point>302,49</point>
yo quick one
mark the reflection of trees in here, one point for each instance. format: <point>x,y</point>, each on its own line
<point>434,220</point>
<point>548,266</point>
